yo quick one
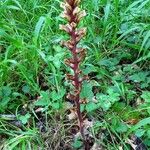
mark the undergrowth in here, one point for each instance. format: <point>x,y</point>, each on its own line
<point>33,86</point>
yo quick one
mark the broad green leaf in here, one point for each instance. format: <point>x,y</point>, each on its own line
<point>5,91</point>
<point>77,143</point>
<point>139,77</point>
<point>148,133</point>
<point>139,132</point>
<point>86,91</point>
<point>44,99</point>
<point>91,107</point>
<point>58,59</point>
<point>146,96</point>
<point>113,96</point>
<point>122,127</point>
<point>109,62</point>
<point>146,142</point>
<point>57,95</point>
<point>4,103</point>
<point>26,89</point>
<point>89,68</point>
<point>103,101</point>
<point>24,119</point>
<point>56,105</point>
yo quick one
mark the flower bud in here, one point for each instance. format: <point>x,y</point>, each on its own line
<point>76,11</point>
<point>78,71</point>
<point>67,62</point>
<point>76,92</point>
<point>80,34</point>
<point>70,96</point>
<point>73,24</point>
<point>79,50</point>
<point>82,55</point>
<point>67,44</point>
<point>76,2</point>
<point>66,16</point>
<point>70,77</point>
<point>83,101</point>
<point>81,31</point>
<point>73,83</point>
<point>67,28</point>
<point>81,15</point>
<point>65,6</point>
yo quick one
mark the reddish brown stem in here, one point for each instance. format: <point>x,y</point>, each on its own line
<point>77,82</point>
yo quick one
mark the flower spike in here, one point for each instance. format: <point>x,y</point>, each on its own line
<point>73,14</point>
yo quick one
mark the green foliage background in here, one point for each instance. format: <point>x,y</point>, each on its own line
<point>117,62</point>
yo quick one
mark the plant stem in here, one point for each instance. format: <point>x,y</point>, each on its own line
<point>77,82</point>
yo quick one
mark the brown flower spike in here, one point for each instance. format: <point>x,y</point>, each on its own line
<point>73,15</point>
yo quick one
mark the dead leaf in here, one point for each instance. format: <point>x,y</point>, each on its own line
<point>72,115</point>
<point>39,110</point>
<point>87,123</point>
<point>132,121</point>
<point>96,147</point>
<point>130,142</point>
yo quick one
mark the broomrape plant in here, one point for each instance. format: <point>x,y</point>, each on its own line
<point>73,15</point>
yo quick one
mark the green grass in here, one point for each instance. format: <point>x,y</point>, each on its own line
<point>31,65</point>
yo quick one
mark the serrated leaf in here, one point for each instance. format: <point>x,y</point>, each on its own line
<point>91,107</point>
<point>113,96</point>
<point>58,95</point>
<point>139,77</point>
<point>56,105</point>
<point>86,91</point>
<point>122,127</point>
<point>103,101</point>
<point>89,68</point>
<point>44,99</point>
<point>57,59</point>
